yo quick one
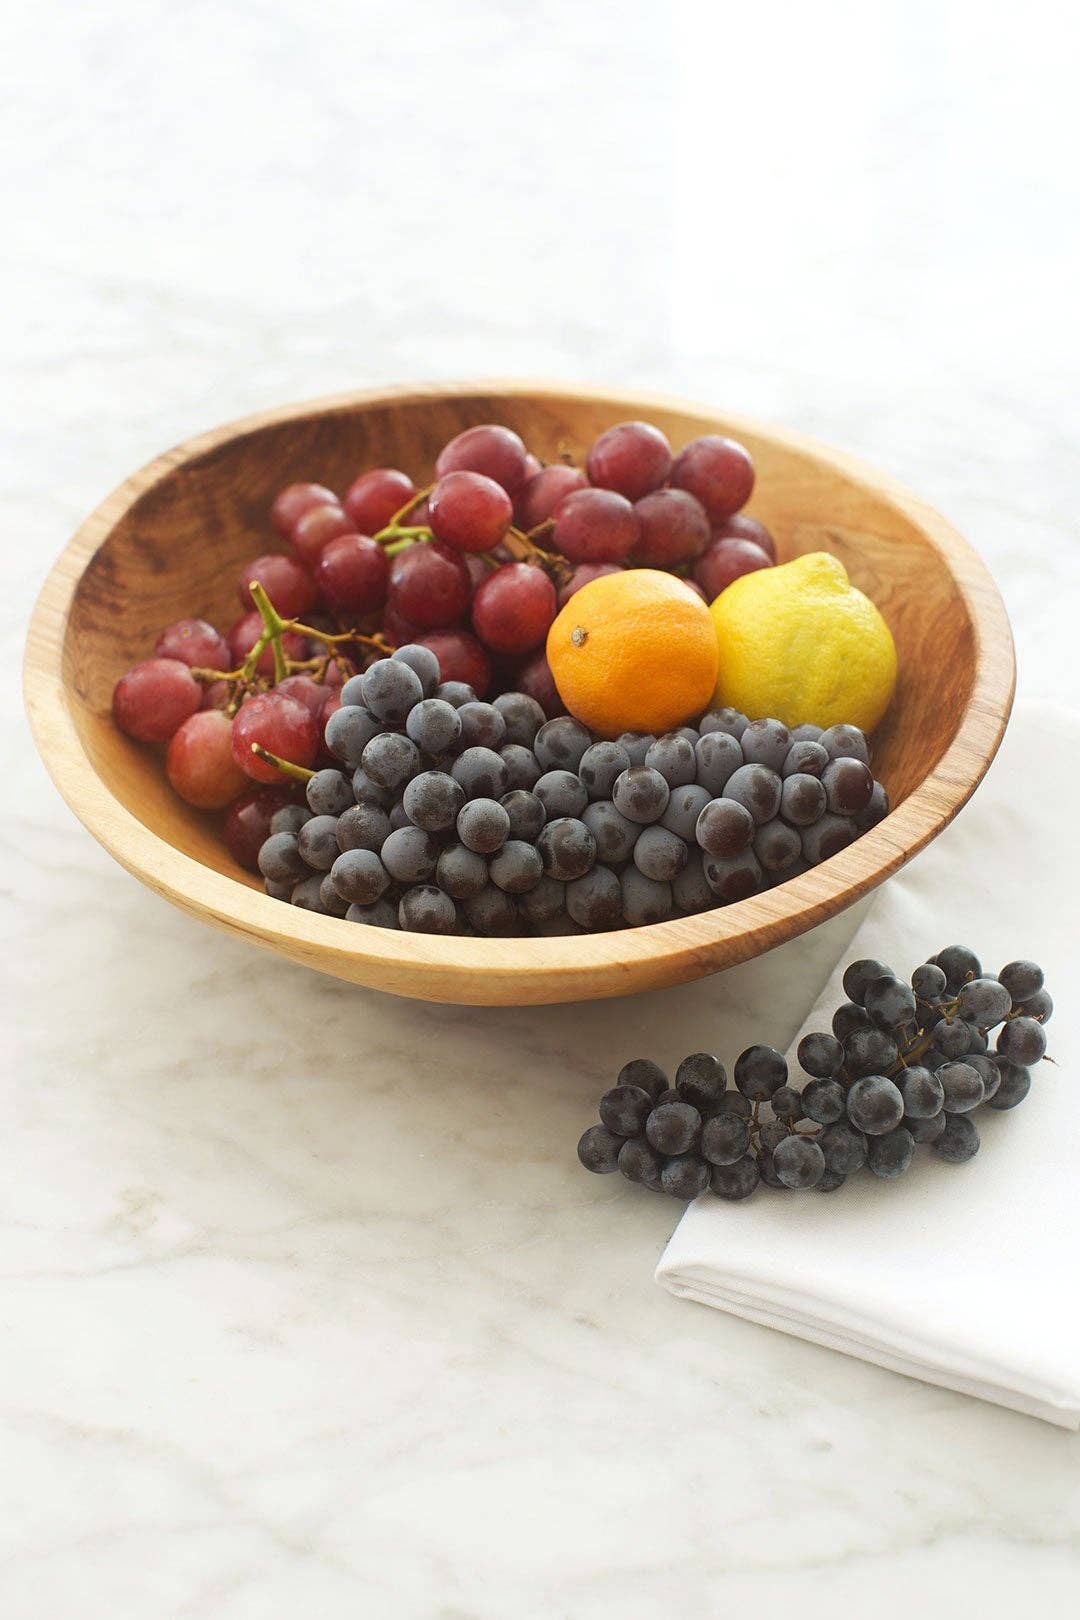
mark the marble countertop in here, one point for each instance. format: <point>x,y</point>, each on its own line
<point>305,1305</point>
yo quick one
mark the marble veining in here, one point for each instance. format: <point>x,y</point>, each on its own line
<point>305,1306</point>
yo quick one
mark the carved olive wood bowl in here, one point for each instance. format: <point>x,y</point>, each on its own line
<point>169,543</point>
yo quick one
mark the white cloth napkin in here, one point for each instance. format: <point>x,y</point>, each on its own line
<point>963,1276</point>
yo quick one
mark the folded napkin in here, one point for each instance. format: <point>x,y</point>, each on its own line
<point>963,1276</point>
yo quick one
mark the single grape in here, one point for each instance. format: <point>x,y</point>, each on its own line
<point>951,1037</point>
<point>827,837</point>
<point>645,1073</point>
<point>316,528</point>
<point>641,794</point>
<point>659,854</point>
<point>869,1051</point>
<point>644,900</point>
<point>890,1155</point>
<point>513,608</point>
<point>1022,1041</point>
<point>426,910</point>
<point>430,586</point>
<point>495,451</point>
<point>526,814</point>
<point>959,1141</point>
<point>460,872</point>
<point>742,527</point>
<point>849,1016</point>
<point>540,496</point>
<point>522,717</point>
<point>804,758</point>
<point>492,913</point>
<point>760,1071</point>
<point>733,877</point>
<point>718,471</point>
<point>318,843</point>
<point>560,744</point>
<point>823,1101</point>
<point>672,529</point>
<point>383,914</point>
<point>482,773</point>
<point>595,900</point>
<point>874,1105</point>
<point>390,689</point>
<point>600,765</point>
<point>154,698</point>
<point>614,835</point>
<point>735,1181</point>
<point>410,855</point>
<point>482,726</point>
<point>928,983</point>
<point>733,1102</point>
<point>469,511</point>
<point>308,895</point>
<point>845,742</point>
<point>483,825</point>
<point>434,725</point>
<point>926,1130</point>
<point>777,847</point>
<point>329,793</point>
<point>465,665</point>
<point>294,501</point>
<point>545,903</point>
<point>802,800</point>
<point>353,575</point>
<point>249,822</point>
<point>848,786</point>
<point>718,757</point>
<point>889,1003</point>
<point>359,876</point>
<point>674,758</point>
<point>730,721</point>
<point>522,767</point>
<point>673,1128</point>
<point>820,1055</point>
<point>724,1139</point>
<point>280,860</point>
<point>984,1002</point>
<point>373,499</point>
<point>640,1163</point>
<point>875,810</point>
<point>281,726</point>
<point>534,678</point>
<point>561,793</point>
<point>766,742</point>
<point>195,643</point>
<point>958,965</point>
<point>286,582</point>
<point>1039,1006</point>
<point>701,1079</point>
<point>799,1162</point>
<point>684,810</point>
<point>843,1148</point>
<point>423,663</point>
<point>684,1176</point>
<point>632,458</point>
<point>364,826</point>
<point>331,901</point>
<point>1014,1083</point>
<point>390,759</point>
<point>787,1104</point>
<point>432,800</point>
<point>757,788</point>
<point>922,1091</point>
<point>517,867</point>
<point>1021,979</point>
<point>582,575</point>
<point>567,849</point>
<point>595,526</point>
<point>200,764</point>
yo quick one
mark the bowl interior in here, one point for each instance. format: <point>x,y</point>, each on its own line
<point>177,549</point>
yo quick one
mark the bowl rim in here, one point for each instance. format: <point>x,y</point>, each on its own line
<point>578,967</point>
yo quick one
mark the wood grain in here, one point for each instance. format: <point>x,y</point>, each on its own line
<point>169,543</point>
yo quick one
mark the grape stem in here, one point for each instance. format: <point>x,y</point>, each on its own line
<point>298,773</point>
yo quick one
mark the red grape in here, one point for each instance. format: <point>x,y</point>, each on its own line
<point>536,681</point>
<point>533,464</point>
<point>725,560</point>
<point>286,582</point>
<point>200,764</point>
<point>513,609</point>
<point>353,573</point>
<point>461,657</point>
<point>632,459</point>
<point>469,511</point>
<point>372,499</point>
<point>279,724</point>
<point>246,632</point>
<point>311,693</point>
<point>316,528</point>
<point>718,471</point>
<point>742,527</point>
<point>429,585</point>
<point>673,526</point>
<point>595,525</point>
<point>495,451</point>
<point>247,825</point>
<point>478,567</point>
<point>294,501</point>
<point>582,575</point>
<point>398,630</point>
<point>537,499</point>
<point>154,698</point>
<point>217,695</point>
<point>698,590</point>
<point>195,643</point>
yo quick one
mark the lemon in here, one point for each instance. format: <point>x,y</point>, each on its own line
<point>800,644</point>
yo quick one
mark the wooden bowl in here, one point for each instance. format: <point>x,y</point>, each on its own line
<point>169,543</point>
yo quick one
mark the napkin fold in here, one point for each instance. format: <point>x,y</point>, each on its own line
<point>963,1276</point>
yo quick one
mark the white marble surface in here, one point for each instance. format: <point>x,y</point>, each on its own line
<point>304,1304</point>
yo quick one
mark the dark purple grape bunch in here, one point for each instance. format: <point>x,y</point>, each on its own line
<point>447,815</point>
<point>903,1064</point>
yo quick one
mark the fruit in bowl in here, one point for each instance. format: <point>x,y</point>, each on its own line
<point>170,545</point>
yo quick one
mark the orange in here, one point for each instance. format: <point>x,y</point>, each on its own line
<point>634,651</point>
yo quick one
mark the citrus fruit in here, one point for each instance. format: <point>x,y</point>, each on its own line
<point>634,651</point>
<point>800,643</point>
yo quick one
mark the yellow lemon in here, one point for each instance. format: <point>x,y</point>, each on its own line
<point>799,643</point>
